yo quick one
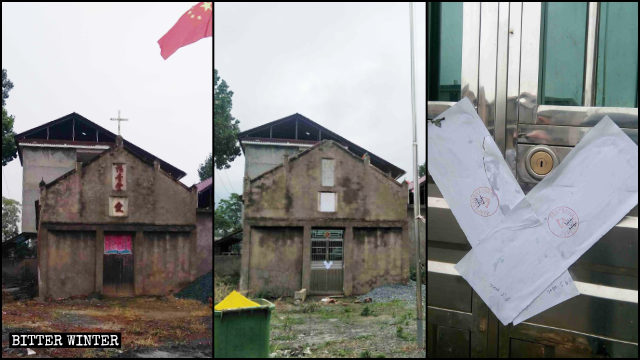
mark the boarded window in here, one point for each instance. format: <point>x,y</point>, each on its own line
<point>327,172</point>
<point>326,202</point>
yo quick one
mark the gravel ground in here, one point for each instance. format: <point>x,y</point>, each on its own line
<point>396,291</point>
<point>200,289</point>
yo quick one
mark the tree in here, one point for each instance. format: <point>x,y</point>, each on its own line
<point>10,218</point>
<point>422,169</point>
<point>225,126</point>
<point>227,215</point>
<point>8,145</point>
<point>205,170</point>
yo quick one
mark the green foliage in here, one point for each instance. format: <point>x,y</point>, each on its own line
<point>227,215</point>
<point>423,274</point>
<point>9,149</point>
<point>225,126</point>
<point>7,85</point>
<point>365,354</point>
<point>402,335</point>
<point>422,169</point>
<point>205,170</point>
<point>366,311</point>
<point>309,308</point>
<point>10,217</point>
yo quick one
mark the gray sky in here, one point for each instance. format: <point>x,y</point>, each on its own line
<point>96,59</point>
<point>345,66</point>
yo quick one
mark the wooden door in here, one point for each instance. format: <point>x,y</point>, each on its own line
<point>117,276</point>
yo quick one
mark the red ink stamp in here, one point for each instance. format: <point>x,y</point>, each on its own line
<point>563,222</point>
<point>484,201</point>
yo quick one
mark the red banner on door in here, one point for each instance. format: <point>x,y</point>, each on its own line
<point>117,244</point>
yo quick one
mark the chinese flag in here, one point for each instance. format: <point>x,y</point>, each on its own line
<point>195,24</point>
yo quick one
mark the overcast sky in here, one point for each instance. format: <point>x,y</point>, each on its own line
<point>98,58</point>
<point>345,66</point>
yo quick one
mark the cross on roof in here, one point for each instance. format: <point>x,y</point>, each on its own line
<point>118,119</point>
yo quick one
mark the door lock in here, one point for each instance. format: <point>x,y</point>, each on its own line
<point>540,160</point>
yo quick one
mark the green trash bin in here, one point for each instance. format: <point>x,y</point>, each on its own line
<point>242,333</point>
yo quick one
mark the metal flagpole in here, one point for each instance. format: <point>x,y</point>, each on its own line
<point>416,191</point>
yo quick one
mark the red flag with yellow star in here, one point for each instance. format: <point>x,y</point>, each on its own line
<point>195,24</point>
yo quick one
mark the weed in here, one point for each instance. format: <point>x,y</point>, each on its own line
<point>284,337</point>
<point>402,335</point>
<point>309,308</point>
<point>342,353</point>
<point>365,354</point>
<point>366,311</point>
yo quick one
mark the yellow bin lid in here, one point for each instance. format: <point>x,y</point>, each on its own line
<point>235,300</point>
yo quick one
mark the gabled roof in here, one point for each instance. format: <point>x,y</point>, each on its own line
<point>298,129</point>
<point>89,133</point>
<point>338,145</point>
<point>104,153</point>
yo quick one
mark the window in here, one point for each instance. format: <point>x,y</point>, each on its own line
<point>617,72</point>
<point>445,51</point>
<point>326,202</point>
<point>563,46</point>
<point>327,172</point>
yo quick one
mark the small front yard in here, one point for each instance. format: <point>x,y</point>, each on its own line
<point>344,329</point>
<point>146,323</point>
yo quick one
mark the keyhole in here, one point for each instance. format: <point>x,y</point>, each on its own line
<point>540,163</point>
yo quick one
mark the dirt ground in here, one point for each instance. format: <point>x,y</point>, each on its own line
<point>150,326</point>
<point>344,329</point>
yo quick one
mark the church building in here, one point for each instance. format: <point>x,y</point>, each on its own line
<point>320,213</point>
<point>110,217</point>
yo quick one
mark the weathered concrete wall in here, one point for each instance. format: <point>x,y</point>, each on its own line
<point>276,261</point>
<point>204,245</point>
<point>166,261</point>
<point>260,158</point>
<point>377,258</point>
<point>363,192</point>
<point>41,163</point>
<point>71,257</point>
<point>226,265</point>
<point>154,198</point>
<point>422,228</point>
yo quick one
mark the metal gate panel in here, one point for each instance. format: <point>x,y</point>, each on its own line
<point>326,261</point>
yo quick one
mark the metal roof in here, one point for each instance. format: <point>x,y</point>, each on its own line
<point>204,184</point>
<point>35,134</point>
<point>289,122</point>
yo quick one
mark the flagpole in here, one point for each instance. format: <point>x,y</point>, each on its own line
<point>416,191</point>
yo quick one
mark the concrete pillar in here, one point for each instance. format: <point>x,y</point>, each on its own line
<point>138,263</point>
<point>99,259</point>
<point>347,259</point>
<point>306,257</point>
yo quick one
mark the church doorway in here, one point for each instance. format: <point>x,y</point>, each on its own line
<point>117,275</point>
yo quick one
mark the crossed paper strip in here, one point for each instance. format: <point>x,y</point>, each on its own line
<point>523,245</point>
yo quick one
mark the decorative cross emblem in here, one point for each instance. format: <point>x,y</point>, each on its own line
<point>118,119</point>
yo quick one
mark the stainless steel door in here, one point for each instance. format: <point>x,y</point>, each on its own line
<point>505,71</point>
